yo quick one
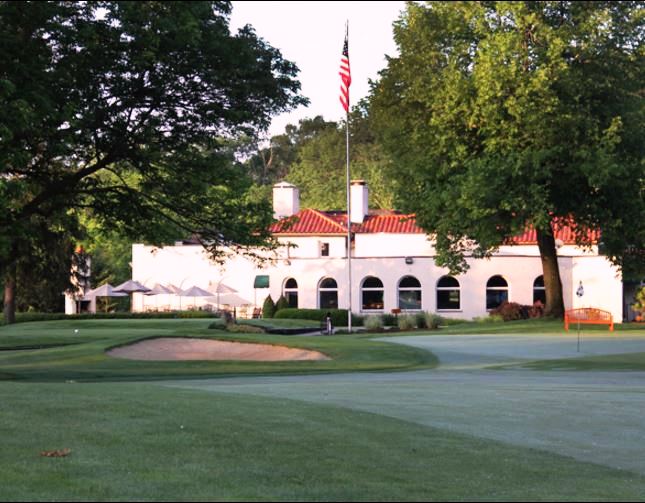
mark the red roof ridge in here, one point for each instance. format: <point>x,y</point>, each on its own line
<point>322,214</point>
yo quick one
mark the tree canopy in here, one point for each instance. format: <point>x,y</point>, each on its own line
<point>124,109</point>
<point>500,115</point>
<point>319,169</point>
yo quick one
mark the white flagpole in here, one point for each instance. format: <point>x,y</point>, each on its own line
<point>349,206</point>
<point>349,234</point>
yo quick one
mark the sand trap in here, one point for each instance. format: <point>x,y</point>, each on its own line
<point>177,348</point>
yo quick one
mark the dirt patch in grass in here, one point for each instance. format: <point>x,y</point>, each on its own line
<point>177,348</point>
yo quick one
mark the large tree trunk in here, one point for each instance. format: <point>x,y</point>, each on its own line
<point>10,296</point>
<point>552,284</point>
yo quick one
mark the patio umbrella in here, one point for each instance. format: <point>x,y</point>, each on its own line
<point>131,287</point>
<point>221,288</point>
<point>173,288</point>
<point>105,290</point>
<point>195,291</point>
<point>159,290</point>
<point>232,299</point>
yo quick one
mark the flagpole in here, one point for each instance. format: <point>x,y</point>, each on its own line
<point>349,231</point>
<point>349,201</point>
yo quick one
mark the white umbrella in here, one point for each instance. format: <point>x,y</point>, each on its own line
<point>231,299</point>
<point>195,291</point>
<point>221,288</point>
<point>159,290</point>
<point>173,288</point>
<point>131,287</point>
<point>105,290</point>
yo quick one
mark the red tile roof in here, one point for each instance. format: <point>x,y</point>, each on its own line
<point>308,222</point>
<point>564,232</point>
<point>315,222</point>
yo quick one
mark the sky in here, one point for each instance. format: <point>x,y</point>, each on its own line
<point>311,35</point>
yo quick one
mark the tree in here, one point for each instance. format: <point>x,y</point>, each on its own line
<point>272,163</point>
<point>123,109</point>
<point>503,115</point>
<point>320,167</point>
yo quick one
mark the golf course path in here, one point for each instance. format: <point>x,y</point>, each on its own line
<point>591,416</point>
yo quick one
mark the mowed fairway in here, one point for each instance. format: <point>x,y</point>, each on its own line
<point>323,437</point>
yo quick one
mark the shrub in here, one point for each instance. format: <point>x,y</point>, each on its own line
<point>389,320</point>
<point>373,323</point>
<point>407,322</point>
<point>510,311</point>
<point>536,310</point>
<point>282,303</point>
<point>420,320</point>
<point>33,316</point>
<point>338,316</point>
<point>432,321</point>
<point>268,308</point>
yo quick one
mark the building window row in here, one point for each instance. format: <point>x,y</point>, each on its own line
<point>410,294</point>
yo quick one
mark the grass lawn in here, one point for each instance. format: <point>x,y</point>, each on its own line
<point>536,326</point>
<point>75,350</point>
<point>141,442</point>
<point>625,361</point>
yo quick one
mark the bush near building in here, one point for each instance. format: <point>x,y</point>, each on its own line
<point>511,311</point>
<point>268,308</point>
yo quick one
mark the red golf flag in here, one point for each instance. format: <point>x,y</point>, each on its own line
<point>345,76</point>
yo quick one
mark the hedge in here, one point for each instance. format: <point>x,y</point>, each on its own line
<point>26,317</point>
<point>338,316</point>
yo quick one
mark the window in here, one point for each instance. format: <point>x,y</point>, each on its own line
<point>372,294</point>
<point>496,292</point>
<point>328,294</point>
<point>409,293</point>
<point>290,292</point>
<point>324,249</point>
<point>448,294</point>
<point>539,293</point>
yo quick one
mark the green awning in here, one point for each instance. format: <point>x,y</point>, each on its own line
<point>261,282</point>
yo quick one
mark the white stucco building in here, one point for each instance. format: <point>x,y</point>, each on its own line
<point>392,267</point>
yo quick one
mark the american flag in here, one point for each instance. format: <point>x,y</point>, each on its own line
<point>345,76</point>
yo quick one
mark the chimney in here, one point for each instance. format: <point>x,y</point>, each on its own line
<point>286,200</point>
<point>358,195</point>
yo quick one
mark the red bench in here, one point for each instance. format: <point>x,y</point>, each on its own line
<point>588,315</point>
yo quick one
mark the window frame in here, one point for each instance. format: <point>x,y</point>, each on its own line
<point>369,289</point>
<point>448,289</point>
<point>506,289</point>
<point>322,289</point>
<point>418,289</point>
<point>290,292</point>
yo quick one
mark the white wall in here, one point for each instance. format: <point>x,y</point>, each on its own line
<point>377,255</point>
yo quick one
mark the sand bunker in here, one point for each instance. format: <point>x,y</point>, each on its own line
<point>177,348</point>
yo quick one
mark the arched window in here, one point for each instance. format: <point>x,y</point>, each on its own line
<point>496,292</point>
<point>290,292</point>
<point>448,294</point>
<point>328,294</point>
<point>539,293</point>
<point>409,293</point>
<point>372,294</point>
